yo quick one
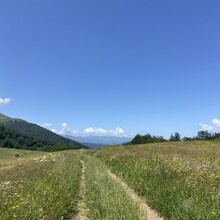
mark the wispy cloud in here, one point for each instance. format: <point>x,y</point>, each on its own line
<point>5,101</point>
<point>213,127</point>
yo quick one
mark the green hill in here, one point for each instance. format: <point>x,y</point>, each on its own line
<point>36,132</point>
<point>12,139</point>
<point>4,118</point>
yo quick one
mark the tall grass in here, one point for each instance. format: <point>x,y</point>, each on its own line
<point>104,198</point>
<point>179,180</point>
<point>42,188</point>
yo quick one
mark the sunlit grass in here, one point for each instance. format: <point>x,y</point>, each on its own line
<point>180,180</point>
<point>43,187</point>
<point>104,198</point>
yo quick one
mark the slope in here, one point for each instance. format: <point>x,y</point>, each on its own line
<point>4,118</point>
<point>35,131</point>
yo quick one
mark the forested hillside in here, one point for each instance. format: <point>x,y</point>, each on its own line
<point>13,139</point>
<point>36,132</point>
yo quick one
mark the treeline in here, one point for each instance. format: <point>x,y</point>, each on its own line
<point>13,139</point>
<point>203,135</point>
<point>144,139</point>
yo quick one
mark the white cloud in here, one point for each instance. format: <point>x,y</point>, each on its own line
<point>100,131</point>
<point>95,131</point>
<point>64,125</point>
<point>89,130</point>
<point>216,122</point>
<point>45,125</point>
<point>5,101</point>
<point>54,130</point>
<point>66,130</point>
<point>61,132</point>
<point>214,127</point>
<point>119,130</point>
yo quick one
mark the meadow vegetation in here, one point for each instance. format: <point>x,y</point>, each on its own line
<point>9,154</point>
<point>180,180</point>
<point>104,198</point>
<point>40,187</point>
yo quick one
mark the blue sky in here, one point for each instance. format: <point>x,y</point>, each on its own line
<point>116,67</point>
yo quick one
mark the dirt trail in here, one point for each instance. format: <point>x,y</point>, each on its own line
<point>82,214</point>
<point>145,210</point>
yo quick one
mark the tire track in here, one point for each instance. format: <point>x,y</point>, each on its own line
<point>145,210</point>
<point>82,214</point>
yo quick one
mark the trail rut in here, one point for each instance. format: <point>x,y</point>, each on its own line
<point>82,214</point>
<point>145,210</point>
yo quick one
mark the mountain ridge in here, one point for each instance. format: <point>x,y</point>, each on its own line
<point>35,131</point>
<point>4,118</point>
<point>93,140</point>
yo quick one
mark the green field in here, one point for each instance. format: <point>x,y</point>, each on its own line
<point>179,180</point>
<point>6,153</point>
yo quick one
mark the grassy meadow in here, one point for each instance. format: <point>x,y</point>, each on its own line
<point>10,153</point>
<point>104,198</point>
<point>40,186</point>
<point>180,180</point>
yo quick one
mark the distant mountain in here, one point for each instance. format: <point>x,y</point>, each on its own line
<point>95,141</point>
<point>37,132</point>
<point>92,145</point>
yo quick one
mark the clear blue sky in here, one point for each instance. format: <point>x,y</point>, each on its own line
<point>145,66</point>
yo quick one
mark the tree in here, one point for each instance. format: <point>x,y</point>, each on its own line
<point>147,138</point>
<point>171,137</point>
<point>175,137</point>
<point>204,135</point>
<point>216,136</point>
<point>138,139</point>
<point>187,139</point>
<point>7,143</point>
